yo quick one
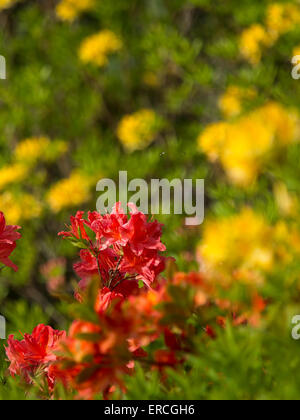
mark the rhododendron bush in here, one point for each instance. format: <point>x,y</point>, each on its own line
<point>123,310</point>
<point>128,305</point>
<point>127,315</point>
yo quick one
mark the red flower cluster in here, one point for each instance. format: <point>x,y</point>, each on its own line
<point>97,354</point>
<point>117,323</point>
<point>34,354</point>
<point>121,250</point>
<point>8,238</point>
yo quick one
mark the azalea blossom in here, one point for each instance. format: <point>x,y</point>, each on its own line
<point>121,250</point>
<point>95,354</point>
<point>35,353</point>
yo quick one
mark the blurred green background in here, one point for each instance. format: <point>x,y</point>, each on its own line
<point>98,87</point>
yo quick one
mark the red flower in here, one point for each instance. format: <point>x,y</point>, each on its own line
<point>94,355</point>
<point>115,229</point>
<point>8,238</point>
<point>123,251</point>
<point>111,276</point>
<point>94,359</point>
<point>36,352</point>
<point>142,234</point>
<point>104,299</point>
<point>109,228</point>
<point>77,229</point>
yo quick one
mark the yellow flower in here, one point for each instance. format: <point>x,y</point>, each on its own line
<point>12,174</point>
<point>284,122</point>
<point>5,4</point>
<point>33,149</point>
<point>282,18</point>
<point>138,130</point>
<point>239,146</point>
<point>231,102</point>
<point>96,48</point>
<point>70,9</point>
<point>287,202</point>
<point>247,143</point>
<point>69,192</point>
<point>252,41</point>
<point>243,146</point>
<point>20,207</point>
<point>242,243</point>
<point>212,140</point>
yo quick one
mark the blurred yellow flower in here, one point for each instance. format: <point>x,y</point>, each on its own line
<point>287,202</point>
<point>241,244</point>
<point>247,143</point>
<point>252,42</point>
<point>32,149</point>
<point>284,122</point>
<point>96,48</point>
<point>70,9</point>
<point>211,141</point>
<point>138,130</point>
<point>231,103</point>
<point>244,145</point>
<point>5,4</point>
<point>12,174</point>
<point>69,192</point>
<point>20,207</point>
<point>239,146</point>
<point>244,247</point>
<point>282,17</point>
<point>287,240</point>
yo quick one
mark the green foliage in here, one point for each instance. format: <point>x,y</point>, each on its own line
<point>178,58</point>
<point>239,364</point>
